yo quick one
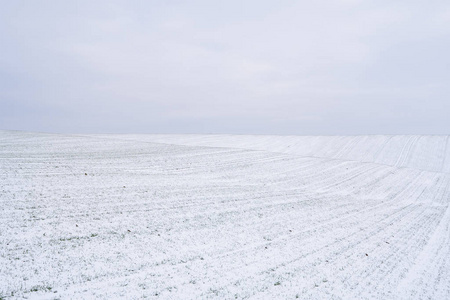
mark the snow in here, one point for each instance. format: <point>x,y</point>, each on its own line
<point>224,216</point>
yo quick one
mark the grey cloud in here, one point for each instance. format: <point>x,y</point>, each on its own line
<point>322,67</point>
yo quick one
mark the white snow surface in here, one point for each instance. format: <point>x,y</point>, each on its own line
<point>224,217</point>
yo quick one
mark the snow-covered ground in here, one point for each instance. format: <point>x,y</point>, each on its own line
<point>224,216</point>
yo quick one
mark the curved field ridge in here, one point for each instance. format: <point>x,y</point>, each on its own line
<point>224,217</point>
<point>428,153</point>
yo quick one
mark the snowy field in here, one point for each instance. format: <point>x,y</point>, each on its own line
<point>224,216</point>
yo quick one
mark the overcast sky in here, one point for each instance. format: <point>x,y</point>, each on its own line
<point>265,67</point>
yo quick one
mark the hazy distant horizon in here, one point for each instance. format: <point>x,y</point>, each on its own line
<point>343,67</point>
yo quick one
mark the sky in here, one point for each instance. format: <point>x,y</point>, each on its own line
<point>241,67</point>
